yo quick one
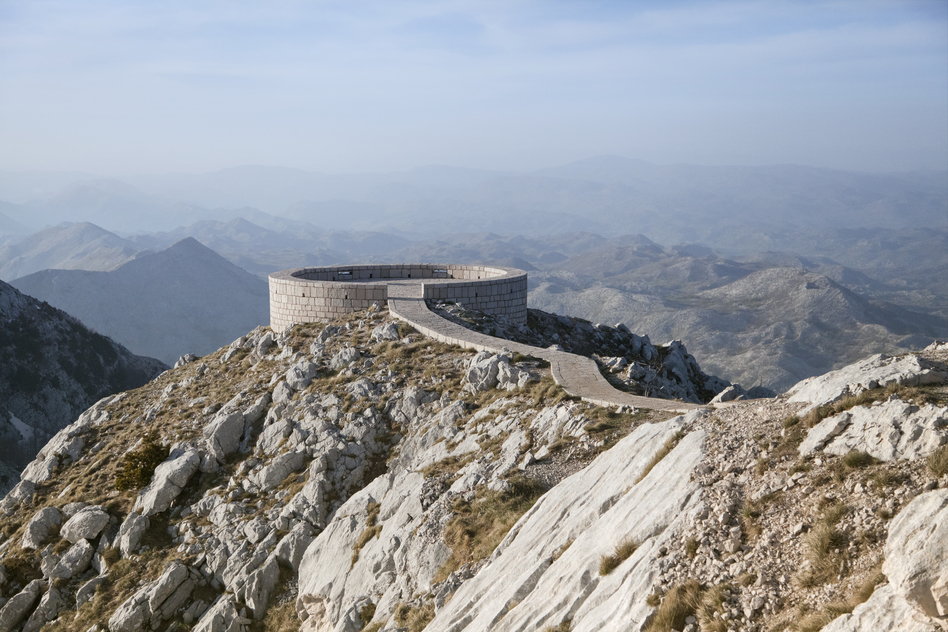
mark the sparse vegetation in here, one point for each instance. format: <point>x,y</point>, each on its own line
<point>479,526</point>
<point>817,621</point>
<point>415,619</point>
<point>564,626</point>
<point>670,444</point>
<point>371,531</point>
<point>622,552</point>
<point>825,549</point>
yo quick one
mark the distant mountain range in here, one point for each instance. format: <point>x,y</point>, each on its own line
<point>82,246</point>
<point>741,241</point>
<point>52,367</point>
<point>185,299</point>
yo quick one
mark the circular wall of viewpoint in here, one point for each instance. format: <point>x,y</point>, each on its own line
<point>313,294</point>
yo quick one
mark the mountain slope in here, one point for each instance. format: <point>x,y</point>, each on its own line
<point>185,299</point>
<point>52,367</point>
<point>80,246</point>
<point>358,476</point>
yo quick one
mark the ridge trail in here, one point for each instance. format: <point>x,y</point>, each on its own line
<point>577,375</point>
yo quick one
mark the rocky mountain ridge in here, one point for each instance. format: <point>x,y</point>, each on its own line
<point>356,476</point>
<point>52,367</point>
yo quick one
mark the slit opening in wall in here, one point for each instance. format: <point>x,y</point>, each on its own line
<point>347,297</point>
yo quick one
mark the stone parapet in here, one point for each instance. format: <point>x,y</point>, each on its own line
<point>315,294</point>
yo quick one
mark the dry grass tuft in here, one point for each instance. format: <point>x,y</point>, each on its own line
<point>937,462</point>
<point>661,454</point>
<point>622,552</point>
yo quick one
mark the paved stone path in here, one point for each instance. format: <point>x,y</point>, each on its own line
<point>577,375</point>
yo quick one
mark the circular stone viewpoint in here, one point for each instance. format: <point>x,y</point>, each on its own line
<point>312,294</point>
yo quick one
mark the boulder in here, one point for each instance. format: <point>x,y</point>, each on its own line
<point>130,533</point>
<point>482,370</point>
<point>86,524</point>
<point>86,592</point>
<point>223,434</point>
<point>73,562</point>
<point>282,393</point>
<point>20,605</point>
<point>729,394</point>
<point>169,479</point>
<point>344,358</point>
<point>157,601</point>
<point>300,375</point>
<point>270,476</point>
<point>291,548</point>
<point>884,610</point>
<point>916,554</point>
<point>51,604</point>
<point>387,331</point>
<point>40,526</point>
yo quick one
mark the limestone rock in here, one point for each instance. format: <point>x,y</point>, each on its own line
<point>20,605</point>
<point>387,331</point>
<point>884,610</point>
<point>156,601</point>
<point>222,617</point>
<point>888,431</point>
<point>86,524</point>
<point>300,375</point>
<point>729,394</point>
<point>50,605</point>
<point>916,554</point>
<point>874,372</point>
<point>344,358</point>
<point>223,434</point>
<point>39,527</point>
<point>593,510</point>
<point>86,592</point>
<point>276,472</point>
<point>482,371</point>
<point>131,532</point>
<point>73,562</point>
<point>169,479</point>
<point>291,548</point>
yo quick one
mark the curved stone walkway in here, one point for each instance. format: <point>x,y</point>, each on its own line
<point>577,375</point>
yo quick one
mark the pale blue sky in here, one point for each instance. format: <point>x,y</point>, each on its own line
<point>118,87</point>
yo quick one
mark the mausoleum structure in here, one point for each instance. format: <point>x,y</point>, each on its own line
<point>314,294</point>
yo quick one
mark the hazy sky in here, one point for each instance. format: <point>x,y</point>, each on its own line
<point>118,86</point>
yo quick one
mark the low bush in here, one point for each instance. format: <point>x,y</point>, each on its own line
<point>139,465</point>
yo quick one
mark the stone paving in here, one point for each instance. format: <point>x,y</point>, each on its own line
<point>578,375</point>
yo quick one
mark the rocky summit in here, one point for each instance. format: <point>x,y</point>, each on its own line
<point>356,475</point>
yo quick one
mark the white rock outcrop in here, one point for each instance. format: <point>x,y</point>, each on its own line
<point>916,554</point>
<point>223,434</point>
<point>874,372</point>
<point>888,431</point>
<point>523,587</point>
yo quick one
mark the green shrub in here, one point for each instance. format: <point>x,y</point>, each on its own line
<point>139,465</point>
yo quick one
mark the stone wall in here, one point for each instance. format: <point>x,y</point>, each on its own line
<point>315,294</point>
